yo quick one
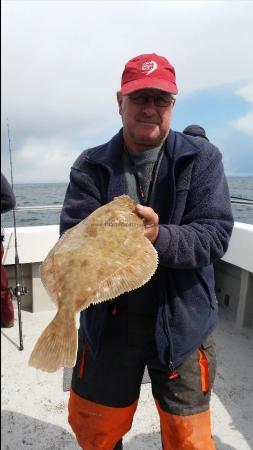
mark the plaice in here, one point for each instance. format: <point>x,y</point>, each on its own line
<point>99,259</point>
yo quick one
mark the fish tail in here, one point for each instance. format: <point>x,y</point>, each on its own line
<point>56,347</point>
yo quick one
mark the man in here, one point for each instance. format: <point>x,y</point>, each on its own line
<point>7,311</point>
<point>182,194</point>
<point>195,130</point>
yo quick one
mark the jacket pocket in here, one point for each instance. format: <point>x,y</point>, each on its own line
<point>81,368</point>
<point>207,363</point>
<point>78,370</point>
<point>206,280</point>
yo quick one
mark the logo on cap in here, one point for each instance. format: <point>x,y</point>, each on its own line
<point>149,67</point>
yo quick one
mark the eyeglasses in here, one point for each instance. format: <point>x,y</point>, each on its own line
<point>162,100</point>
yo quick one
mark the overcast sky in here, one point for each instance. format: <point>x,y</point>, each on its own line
<point>62,63</point>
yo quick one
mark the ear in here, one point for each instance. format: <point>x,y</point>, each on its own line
<point>119,99</point>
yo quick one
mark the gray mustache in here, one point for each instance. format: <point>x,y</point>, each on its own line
<point>141,119</point>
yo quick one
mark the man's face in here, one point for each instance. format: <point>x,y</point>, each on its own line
<point>146,117</point>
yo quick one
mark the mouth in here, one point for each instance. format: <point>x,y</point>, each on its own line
<point>147,122</point>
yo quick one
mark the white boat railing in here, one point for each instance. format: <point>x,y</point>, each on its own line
<point>35,242</point>
<point>234,200</point>
<point>37,208</point>
<point>241,201</point>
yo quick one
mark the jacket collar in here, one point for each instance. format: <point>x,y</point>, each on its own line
<point>177,145</point>
<point>107,154</point>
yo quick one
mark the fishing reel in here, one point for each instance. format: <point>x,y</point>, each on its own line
<point>19,291</point>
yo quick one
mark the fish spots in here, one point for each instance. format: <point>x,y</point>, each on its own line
<point>101,272</point>
<point>84,263</point>
<point>91,231</point>
<point>61,279</point>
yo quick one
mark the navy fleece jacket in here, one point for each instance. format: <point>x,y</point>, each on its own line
<point>8,200</point>
<point>193,204</point>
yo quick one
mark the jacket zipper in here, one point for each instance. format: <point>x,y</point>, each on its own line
<point>171,366</point>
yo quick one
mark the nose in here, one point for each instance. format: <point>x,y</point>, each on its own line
<point>149,110</point>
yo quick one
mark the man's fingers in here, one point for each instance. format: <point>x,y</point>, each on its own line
<point>150,221</point>
<point>148,214</point>
<point>149,225</point>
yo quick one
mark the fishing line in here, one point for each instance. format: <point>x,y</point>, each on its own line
<point>20,289</point>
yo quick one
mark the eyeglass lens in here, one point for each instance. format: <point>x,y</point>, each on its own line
<point>159,100</point>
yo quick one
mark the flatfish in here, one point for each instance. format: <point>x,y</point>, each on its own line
<point>99,259</point>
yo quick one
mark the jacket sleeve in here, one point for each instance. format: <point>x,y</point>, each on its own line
<point>207,223</point>
<point>82,197</point>
<point>8,200</point>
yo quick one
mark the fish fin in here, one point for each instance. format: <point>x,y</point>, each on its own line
<point>56,347</point>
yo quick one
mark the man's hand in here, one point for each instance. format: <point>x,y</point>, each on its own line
<point>150,221</point>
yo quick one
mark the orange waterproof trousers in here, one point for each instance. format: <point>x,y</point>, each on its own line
<point>101,427</point>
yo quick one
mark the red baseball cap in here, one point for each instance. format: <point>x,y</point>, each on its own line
<point>148,71</point>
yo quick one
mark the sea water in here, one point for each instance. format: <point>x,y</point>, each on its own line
<point>53,194</point>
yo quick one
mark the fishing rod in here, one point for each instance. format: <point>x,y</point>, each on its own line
<point>19,290</point>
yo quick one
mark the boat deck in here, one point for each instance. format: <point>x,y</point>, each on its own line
<point>34,406</point>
